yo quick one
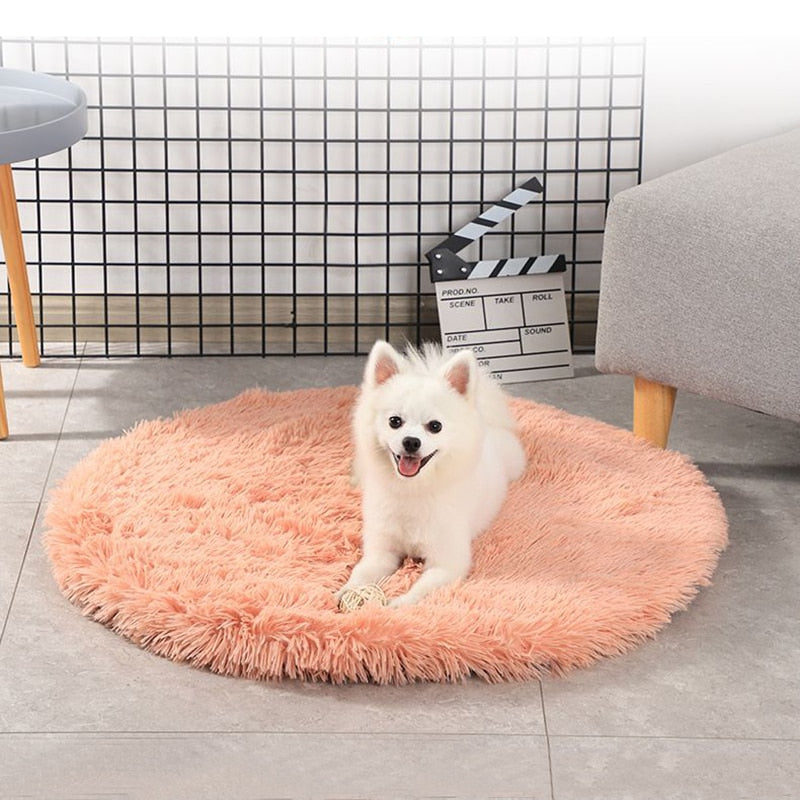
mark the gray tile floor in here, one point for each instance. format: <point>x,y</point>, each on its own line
<point>709,709</point>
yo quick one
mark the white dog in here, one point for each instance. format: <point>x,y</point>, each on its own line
<point>435,451</point>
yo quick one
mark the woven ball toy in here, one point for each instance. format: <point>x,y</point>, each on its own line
<point>360,596</point>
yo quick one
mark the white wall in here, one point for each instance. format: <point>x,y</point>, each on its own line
<point>706,95</point>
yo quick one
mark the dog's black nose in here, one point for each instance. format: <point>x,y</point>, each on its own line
<point>411,444</point>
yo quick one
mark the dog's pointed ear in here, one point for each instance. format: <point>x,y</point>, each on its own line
<point>384,362</point>
<point>461,372</point>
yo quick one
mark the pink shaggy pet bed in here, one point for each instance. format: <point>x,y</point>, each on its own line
<point>219,536</point>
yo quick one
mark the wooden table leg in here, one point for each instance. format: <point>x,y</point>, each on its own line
<point>652,410</point>
<point>17,269</point>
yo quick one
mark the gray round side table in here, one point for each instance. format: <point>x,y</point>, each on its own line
<point>39,114</point>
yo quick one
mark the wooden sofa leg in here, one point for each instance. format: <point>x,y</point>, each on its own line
<point>652,410</point>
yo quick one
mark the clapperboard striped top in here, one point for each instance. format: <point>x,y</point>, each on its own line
<point>492,216</point>
<point>506,267</point>
<point>447,266</point>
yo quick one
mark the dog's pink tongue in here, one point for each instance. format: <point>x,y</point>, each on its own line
<point>409,466</point>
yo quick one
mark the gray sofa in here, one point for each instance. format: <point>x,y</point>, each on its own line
<point>700,284</point>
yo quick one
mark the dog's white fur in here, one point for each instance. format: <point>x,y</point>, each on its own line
<point>430,509</point>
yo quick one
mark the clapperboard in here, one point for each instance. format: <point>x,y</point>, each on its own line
<point>511,312</point>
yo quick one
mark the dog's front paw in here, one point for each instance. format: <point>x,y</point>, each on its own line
<point>402,601</point>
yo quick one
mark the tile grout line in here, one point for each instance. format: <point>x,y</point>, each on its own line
<point>41,499</point>
<point>172,734</point>
<point>547,742</point>
<point>181,734</point>
<point>178,734</point>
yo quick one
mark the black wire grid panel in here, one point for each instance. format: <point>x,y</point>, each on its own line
<point>278,196</point>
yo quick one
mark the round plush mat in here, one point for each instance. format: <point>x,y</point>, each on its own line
<point>218,538</point>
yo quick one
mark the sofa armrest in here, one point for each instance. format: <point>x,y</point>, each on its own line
<point>700,282</point>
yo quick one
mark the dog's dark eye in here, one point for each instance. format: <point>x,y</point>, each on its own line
<point>434,426</point>
<point>395,422</point>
